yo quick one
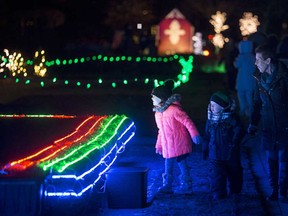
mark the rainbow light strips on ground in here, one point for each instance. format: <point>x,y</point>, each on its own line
<point>75,162</point>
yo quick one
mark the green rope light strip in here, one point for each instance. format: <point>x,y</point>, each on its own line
<point>94,144</point>
<point>45,165</point>
<point>182,77</point>
<point>107,131</point>
<point>71,61</point>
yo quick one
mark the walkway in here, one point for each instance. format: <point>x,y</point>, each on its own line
<point>141,153</point>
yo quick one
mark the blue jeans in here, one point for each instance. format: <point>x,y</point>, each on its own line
<point>181,162</point>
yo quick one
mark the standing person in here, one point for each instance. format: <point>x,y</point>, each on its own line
<point>224,133</point>
<point>230,52</point>
<point>175,130</point>
<point>245,82</point>
<point>271,105</point>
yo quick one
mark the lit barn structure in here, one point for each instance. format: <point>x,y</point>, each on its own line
<point>175,34</point>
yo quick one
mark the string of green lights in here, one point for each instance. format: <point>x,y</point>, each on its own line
<point>183,76</point>
<point>107,132</point>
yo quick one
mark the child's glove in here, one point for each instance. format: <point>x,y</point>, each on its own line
<point>196,139</point>
<point>158,151</point>
<point>252,129</point>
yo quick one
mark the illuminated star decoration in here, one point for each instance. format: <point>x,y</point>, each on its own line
<point>218,21</point>
<point>174,32</point>
<point>248,23</point>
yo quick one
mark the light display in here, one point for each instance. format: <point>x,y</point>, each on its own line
<point>198,43</point>
<point>75,162</point>
<point>36,116</point>
<point>43,67</point>
<point>17,65</point>
<point>218,21</point>
<point>40,69</point>
<point>248,24</point>
<point>13,62</point>
<point>174,34</point>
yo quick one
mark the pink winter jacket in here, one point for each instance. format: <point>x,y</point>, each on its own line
<point>175,130</point>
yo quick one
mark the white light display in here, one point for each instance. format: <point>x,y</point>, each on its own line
<point>17,65</point>
<point>248,23</point>
<point>174,32</point>
<point>218,21</point>
<point>14,62</point>
<point>39,67</point>
<point>139,25</point>
<point>198,43</point>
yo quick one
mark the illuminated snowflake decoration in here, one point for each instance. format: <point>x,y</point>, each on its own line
<point>218,21</point>
<point>174,32</point>
<point>248,24</point>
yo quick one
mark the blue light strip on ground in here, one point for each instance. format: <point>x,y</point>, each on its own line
<point>89,172</point>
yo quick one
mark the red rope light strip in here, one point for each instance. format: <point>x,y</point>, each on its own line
<point>77,129</point>
<point>62,143</point>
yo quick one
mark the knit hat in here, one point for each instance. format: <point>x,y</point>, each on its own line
<point>221,99</point>
<point>164,91</point>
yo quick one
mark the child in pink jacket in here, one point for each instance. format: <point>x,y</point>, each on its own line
<point>175,130</point>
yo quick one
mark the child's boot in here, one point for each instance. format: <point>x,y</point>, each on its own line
<point>167,183</point>
<point>185,185</point>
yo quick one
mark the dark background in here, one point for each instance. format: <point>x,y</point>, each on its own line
<point>58,25</point>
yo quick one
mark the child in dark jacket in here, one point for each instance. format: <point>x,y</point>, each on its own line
<point>224,133</point>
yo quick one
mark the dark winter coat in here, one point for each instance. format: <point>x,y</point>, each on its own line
<point>223,138</point>
<point>271,105</point>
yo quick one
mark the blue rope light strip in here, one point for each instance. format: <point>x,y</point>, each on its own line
<point>90,185</point>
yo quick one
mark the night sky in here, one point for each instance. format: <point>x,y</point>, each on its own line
<point>56,23</point>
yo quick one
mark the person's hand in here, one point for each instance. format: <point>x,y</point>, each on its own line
<point>252,129</point>
<point>196,139</point>
<point>158,151</point>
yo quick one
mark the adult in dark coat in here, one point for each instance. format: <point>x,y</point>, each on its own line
<point>271,105</point>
